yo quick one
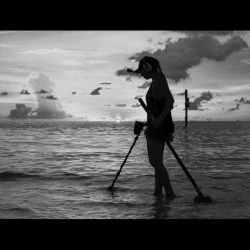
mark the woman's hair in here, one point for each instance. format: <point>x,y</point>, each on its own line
<point>155,65</point>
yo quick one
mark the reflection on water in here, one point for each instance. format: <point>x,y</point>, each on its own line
<point>160,208</point>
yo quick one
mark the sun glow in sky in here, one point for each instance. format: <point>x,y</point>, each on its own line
<point>83,72</point>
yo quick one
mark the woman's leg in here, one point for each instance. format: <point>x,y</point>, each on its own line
<point>155,154</point>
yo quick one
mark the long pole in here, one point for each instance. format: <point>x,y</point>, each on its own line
<point>118,173</point>
<point>186,107</point>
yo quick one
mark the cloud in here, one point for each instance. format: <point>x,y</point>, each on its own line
<point>123,72</point>
<point>49,51</point>
<point>49,106</point>
<point>205,96</point>
<point>73,63</point>
<point>243,100</point>
<point>40,81</point>
<point>42,91</point>
<point>121,105</point>
<point>181,93</point>
<point>144,85</point>
<point>136,105</point>
<point>96,91</point>
<point>138,96</point>
<point>50,97</point>
<point>24,92</point>
<point>246,61</point>
<point>4,93</point>
<point>208,32</point>
<point>105,83</point>
<point>179,56</point>
<point>233,109</point>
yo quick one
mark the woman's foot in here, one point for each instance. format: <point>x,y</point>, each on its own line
<point>171,196</point>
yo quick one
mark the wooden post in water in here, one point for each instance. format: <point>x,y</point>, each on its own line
<point>186,107</point>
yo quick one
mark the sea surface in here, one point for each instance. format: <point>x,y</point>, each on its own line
<point>60,169</point>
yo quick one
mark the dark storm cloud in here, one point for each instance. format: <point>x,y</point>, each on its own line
<point>181,93</point>
<point>233,109</point>
<point>96,91</point>
<point>179,56</point>
<point>205,96</point>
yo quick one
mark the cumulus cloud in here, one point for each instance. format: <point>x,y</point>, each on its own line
<point>179,56</point>
<point>96,91</point>
<point>39,81</point>
<point>48,106</point>
<point>196,104</point>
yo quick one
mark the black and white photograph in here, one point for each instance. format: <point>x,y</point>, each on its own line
<point>124,124</point>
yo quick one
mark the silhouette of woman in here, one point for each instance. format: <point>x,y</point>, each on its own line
<point>159,103</point>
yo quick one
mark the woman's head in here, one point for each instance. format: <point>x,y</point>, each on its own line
<point>148,66</point>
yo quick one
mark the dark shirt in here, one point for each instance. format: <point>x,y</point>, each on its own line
<point>155,108</point>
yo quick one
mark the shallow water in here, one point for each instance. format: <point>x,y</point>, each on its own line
<point>61,169</point>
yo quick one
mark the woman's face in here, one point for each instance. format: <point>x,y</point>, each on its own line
<point>145,74</point>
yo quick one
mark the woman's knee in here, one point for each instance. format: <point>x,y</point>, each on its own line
<point>156,163</point>
<point>155,153</point>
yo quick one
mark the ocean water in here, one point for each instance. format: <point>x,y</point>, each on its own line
<point>55,169</point>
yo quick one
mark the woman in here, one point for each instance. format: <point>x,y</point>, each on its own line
<point>160,125</point>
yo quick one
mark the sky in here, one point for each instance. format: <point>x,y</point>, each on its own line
<point>83,73</point>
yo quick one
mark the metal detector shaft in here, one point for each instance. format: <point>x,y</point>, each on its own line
<point>118,173</point>
<point>176,156</point>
